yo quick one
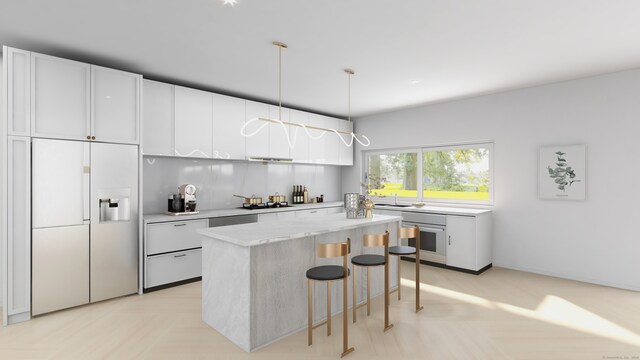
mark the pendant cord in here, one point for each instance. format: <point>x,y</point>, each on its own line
<point>280,82</point>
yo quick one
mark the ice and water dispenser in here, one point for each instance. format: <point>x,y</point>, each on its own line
<point>115,207</point>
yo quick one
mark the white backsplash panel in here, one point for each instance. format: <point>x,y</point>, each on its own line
<point>217,180</point>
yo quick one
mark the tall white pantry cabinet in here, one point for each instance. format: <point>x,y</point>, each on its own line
<point>49,97</point>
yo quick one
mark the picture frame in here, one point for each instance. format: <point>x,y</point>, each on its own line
<point>562,172</point>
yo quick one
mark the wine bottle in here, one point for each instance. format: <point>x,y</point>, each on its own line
<point>305,195</point>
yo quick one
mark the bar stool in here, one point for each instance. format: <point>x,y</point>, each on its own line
<point>331,273</point>
<point>369,261</point>
<point>409,233</point>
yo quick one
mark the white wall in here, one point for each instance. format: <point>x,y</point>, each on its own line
<point>596,240</point>
<point>216,181</point>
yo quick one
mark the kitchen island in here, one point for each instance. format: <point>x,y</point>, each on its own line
<point>254,288</point>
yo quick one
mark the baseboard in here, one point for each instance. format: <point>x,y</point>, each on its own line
<point>569,277</point>
<point>173,284</point>
<point>444,266</point>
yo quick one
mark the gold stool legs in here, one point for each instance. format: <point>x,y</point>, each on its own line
<point>368,290</point>
<point>310,315</point>
<point>399,287</point>
<point>328,308</point>
<point>355,306</point>
<point>387,326</point>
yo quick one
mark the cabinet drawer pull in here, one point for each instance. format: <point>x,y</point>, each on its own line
<point>181,255</point>
<point>313,212</point>
<point>180,225</point>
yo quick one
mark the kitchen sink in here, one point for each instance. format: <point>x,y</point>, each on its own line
<point>394,205</point>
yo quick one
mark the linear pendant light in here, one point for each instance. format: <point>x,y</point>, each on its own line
<point>284,124</point>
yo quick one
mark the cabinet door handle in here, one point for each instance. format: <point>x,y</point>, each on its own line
<point>93,138</point>
<point>180,225</point>
<point>449,239</point>
<point>88,137</point>
<point>181,255</point>
<point>313,212</point>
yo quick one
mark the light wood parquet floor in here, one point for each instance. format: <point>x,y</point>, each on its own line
<point>501,314</point>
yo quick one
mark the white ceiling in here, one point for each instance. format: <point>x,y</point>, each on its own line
<point>455,48</point>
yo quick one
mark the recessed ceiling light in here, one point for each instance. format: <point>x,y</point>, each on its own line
<point>414,82</point>
<point>230,2</point>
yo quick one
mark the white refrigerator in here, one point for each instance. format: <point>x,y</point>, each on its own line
<point>84,223</point>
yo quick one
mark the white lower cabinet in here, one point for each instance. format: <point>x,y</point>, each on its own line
<point>468,241</point>
<point>172,252</point>
<point>174,236</point>
<point>172,267</point>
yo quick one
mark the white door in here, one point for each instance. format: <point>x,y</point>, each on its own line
<point>299,137</point>
<point>317,139</point>
<point>115,105</point>
<point>279,133</point>
<point>60,183</point>
<point>114,244</point>
<point>18,91</point>
<point>461,242</point>
<point>157,121</point>
<point>193,122</point>
<point>228,118</point>
<point>60,277</point>
<point>345,152</point>
<point>332,143</point>
<point>257,131</point>
<point>60,98</point>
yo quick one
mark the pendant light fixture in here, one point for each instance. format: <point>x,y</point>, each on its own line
<point>322,131</point>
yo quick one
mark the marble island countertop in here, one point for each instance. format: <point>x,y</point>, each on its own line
<point>273,231</point>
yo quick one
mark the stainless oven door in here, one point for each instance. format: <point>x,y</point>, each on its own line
<point>433,244</point>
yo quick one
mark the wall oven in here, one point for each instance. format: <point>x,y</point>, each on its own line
<point>433,234</point>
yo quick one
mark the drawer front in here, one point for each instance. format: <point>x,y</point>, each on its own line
<point>174,236</point>
<point>335,210</point>
<point>311,213</point>
<point>168,268</point>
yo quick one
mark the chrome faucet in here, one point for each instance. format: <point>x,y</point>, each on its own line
<point>395,199</point>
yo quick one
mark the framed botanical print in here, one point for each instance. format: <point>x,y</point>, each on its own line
<point>562,172</point>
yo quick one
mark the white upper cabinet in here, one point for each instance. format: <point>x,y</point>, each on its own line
<point>228,119</point>
<point>257,131</point>
<point>18,71</point>
<point>157,121</point>
<point>194,122</point>
<point>324,144</point>
<point>299,138</point>
<point>115,105</point>
<point>77,101</point>
<point>60,98</point>
<point>279,133</point>
<point>346,152</point>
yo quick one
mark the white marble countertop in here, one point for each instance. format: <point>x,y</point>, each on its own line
<point>445,210</point>
<point>273,231</point>
<point>205,214</point>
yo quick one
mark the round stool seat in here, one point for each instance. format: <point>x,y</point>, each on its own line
<point>402,250</point>
<point>326,272</point>
<point>368,260</point>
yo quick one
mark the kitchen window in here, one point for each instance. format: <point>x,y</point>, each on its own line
<point>448,174</point>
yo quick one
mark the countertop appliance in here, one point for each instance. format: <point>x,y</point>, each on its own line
<point>84,223</point>
<point>433,233</point>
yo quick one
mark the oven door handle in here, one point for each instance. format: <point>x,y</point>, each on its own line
<point>431,229</point>
<point>425,228</point>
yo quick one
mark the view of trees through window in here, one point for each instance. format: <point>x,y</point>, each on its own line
<point>391,174</point>
<point>456,174</point>
<point>452,173</point>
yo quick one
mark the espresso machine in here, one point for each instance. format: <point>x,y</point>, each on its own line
<point>183,202</point>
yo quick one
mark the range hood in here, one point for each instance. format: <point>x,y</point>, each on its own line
<point>269,159</point>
